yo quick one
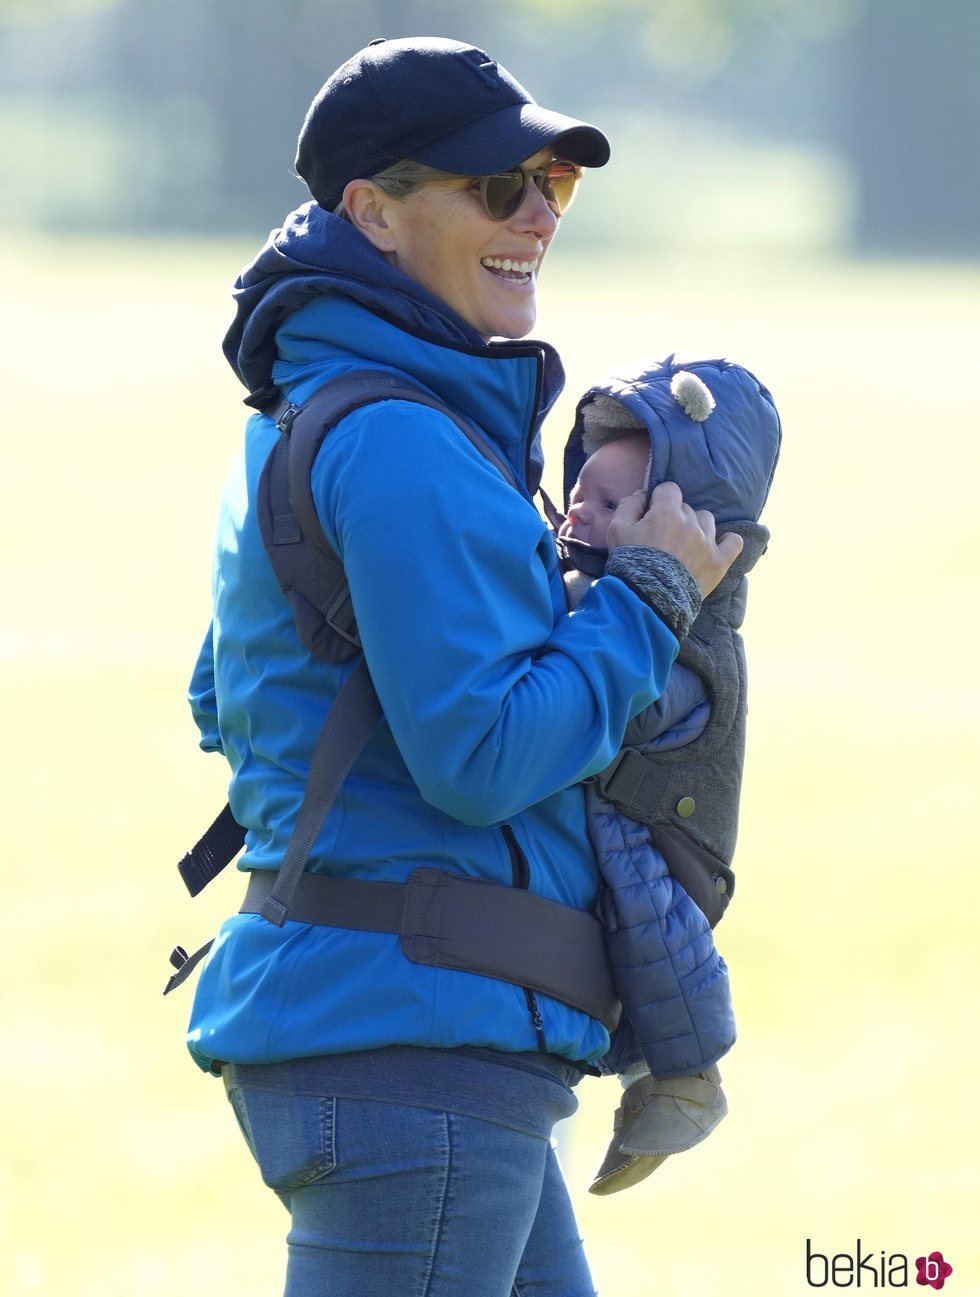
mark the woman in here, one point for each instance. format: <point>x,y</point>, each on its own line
<point>402,1111</point>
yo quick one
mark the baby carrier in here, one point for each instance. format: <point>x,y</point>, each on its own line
<point>442,919</point>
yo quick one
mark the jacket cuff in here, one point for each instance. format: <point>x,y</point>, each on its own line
<point>661,581</point>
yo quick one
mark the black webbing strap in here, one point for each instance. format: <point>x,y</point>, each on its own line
<point>184,964</point>
<point>352,717</point>
<point>551,511</point>
<point>217,847</point>
<point>580,556</point>
<point>468,924</point>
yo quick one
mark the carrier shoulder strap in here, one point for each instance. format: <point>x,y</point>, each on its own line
<point>312,576</point>
<point>309,572</point>
<point>348,725</point>
<point>352,717</point>
<point>307,425</point>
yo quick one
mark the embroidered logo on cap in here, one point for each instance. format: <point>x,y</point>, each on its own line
<point>482,65</point>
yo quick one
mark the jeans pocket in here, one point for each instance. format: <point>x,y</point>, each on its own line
<point>292,1136</point>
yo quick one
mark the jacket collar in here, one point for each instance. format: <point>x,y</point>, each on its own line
<point>317,279</point>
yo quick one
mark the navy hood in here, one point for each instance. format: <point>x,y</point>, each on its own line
<point>316,252</point>
<point>722,454</point>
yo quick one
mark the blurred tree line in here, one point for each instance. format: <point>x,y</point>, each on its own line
<point>181,115</point>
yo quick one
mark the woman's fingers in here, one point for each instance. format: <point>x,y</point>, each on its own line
<point>670,524</point>
<point>628,513</point>
<point>706,521</point>
<point>730,546</point>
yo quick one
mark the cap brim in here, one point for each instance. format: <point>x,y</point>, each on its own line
<point>506,138</point>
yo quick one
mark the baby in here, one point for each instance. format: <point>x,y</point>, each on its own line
<point>663,817</point>
<point>609,475</point>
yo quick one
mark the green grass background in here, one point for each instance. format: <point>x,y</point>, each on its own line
<point>853,945</point>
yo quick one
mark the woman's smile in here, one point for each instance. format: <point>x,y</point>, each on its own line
<point>510,269</point>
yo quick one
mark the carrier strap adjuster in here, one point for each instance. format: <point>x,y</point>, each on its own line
<point>285,415</point>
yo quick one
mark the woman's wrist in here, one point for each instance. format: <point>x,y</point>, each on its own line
<point>661,581</point>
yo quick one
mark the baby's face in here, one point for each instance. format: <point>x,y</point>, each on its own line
<point>616,470</point>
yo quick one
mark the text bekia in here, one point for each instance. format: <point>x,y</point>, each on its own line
<point>873,1269</point>
<point>844,1270</point>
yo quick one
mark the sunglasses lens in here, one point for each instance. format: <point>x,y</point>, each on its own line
<point>504,192</point>
<point>560,185</point>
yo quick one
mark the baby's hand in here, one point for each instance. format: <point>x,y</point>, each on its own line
<point>672,526</point>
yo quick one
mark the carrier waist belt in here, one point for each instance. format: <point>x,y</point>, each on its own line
<point>469,924</point>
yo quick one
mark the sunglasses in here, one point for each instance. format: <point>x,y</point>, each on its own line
<point>503,192</point>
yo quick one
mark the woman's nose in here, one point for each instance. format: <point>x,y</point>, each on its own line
<point>536,214</point>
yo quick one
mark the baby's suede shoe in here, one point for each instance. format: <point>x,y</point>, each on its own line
<point>656,1118</point>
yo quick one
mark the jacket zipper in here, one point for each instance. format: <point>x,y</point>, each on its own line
<point>538,384</point>
<point>520,872</point>
<point>521,351</point>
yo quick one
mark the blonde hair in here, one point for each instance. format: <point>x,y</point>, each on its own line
<point>397,181</point>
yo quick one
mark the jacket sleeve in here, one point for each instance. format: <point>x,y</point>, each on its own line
<point>202,698</point>
<point>495,698</point>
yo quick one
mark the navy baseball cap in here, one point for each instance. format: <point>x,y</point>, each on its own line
<point>434,101</point>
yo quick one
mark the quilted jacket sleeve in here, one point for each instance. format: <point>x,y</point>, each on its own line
<point>677,717</point>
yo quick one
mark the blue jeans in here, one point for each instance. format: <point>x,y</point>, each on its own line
<point>393,1199</point>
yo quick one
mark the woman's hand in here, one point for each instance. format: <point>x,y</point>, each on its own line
<point>671,525</point>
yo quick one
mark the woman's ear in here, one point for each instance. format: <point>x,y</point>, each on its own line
<point>366,207</point>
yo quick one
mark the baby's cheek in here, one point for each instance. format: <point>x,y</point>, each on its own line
<point>599,531</point>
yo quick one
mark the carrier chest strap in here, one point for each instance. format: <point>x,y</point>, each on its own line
<point>469,924</point>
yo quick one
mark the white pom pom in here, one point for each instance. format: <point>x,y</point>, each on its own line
<point>692,395</point>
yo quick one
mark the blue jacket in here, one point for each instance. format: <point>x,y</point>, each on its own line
<point>496,701</point>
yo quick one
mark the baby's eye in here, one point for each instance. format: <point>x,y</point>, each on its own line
<point>612,505</point>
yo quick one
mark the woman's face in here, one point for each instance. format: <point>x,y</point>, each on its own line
<point>486,270</point>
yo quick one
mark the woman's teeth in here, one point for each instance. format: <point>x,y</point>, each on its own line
<point>505,263</point>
